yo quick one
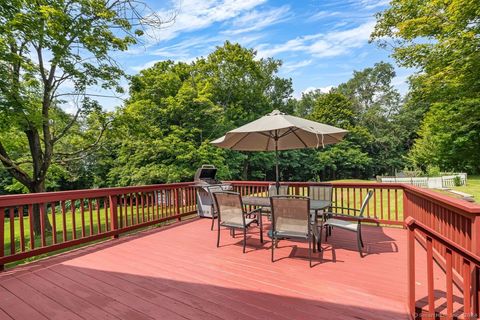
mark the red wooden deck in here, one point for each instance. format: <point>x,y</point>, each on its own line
<point>177,273</point>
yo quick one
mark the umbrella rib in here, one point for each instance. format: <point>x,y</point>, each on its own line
<point>296,135</point>
<point>233,146</point>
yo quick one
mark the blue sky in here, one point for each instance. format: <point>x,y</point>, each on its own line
<point>320,42</point>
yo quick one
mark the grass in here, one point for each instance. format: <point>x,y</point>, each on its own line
<point>472,187</point>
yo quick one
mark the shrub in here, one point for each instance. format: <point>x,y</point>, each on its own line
<point>457,181</point>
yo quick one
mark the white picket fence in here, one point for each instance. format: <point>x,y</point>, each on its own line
<point>428,182</point>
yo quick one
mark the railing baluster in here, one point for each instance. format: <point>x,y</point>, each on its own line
<point>120,218</point>
<point>466,289</point>
<point>2,236</point>
<point>74,227</point>
<point>30,222</point>
<point>54,223</point>
<point>431,291</point>
<point>132,216</point>
<point>90,215</point>
<point>112,200</point>
<point>388,204</point>
<point>105,209</point>
<point>411,271</point>
<point>64,221</point>
<point>99,219</point>
<point>42,223</point>
<point>22,230</point>
<point>137,210</point>
<point>381,205</point>
<point>11,212</point>
<point>396,205</point>
<point>125,208</point>
<point>449,283</point>
<point>82,216</point>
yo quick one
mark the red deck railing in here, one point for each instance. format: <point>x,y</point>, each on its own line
<point>82,216</point>
<point>470,264</point>
<point>78,217</point>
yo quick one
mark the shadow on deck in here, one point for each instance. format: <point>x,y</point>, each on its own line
<point>177,272</point>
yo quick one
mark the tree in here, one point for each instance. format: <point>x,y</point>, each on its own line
<point>379,109</point>
<point>47,47</point>
<point>164,131</point>
<point>440,39</point>
<point>448,140</point>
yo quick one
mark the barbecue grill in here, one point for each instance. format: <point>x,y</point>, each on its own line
<point>206,184</point>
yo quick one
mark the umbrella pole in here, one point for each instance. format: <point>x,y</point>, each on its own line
<point>277,175</point>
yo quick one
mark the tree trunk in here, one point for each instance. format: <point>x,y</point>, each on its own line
<point>245,170</point>
<point>36,188</point>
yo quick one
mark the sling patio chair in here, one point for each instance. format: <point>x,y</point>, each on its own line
<point>231,214</point>
<point>272,191</point>
<point>346,222</point>
<point>324,193</point>
<point>291,219</point>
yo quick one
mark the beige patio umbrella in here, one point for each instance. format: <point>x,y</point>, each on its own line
<point>279,131</point>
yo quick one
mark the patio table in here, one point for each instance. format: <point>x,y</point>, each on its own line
<point>315,205</point>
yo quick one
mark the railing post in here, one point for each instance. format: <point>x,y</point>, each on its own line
<point>177,204</point>
<point>411,271</point>
<point>113,215</point>
<point>2,235</point>
<point>475,271</point>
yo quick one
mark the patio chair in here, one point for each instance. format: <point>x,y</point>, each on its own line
<point>346,222</point>
<point>272,191</point>
<point>211,191</point>
<point>291,219</point>
<point>321,193</point>
<point>232,215</point>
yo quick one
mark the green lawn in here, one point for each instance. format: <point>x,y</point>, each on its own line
<point>472,187</point>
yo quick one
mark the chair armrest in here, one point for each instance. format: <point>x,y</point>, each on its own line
<point>253,211</point>
<point>345,215</point>
<point>345,208</point>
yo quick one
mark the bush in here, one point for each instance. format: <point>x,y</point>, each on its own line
<point>457,181</point>
<point>433,171</point>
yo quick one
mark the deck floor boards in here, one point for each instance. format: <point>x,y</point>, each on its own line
<point>178,273</point>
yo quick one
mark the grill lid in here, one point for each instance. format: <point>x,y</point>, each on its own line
<point>206,173</point>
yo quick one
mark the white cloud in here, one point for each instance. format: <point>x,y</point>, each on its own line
<point>323,14</point>
<point>256,20</point>
<point>200,14</point>
<point>331,44</point>
<point>373,4</point>
<point>298,94</point>
<point>289,67</point>
<point>321,89</point>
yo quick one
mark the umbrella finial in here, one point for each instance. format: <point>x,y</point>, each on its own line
<point>275,113</point>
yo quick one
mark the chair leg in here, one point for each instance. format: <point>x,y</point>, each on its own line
<point>319,240</point>
<point>213,222</point>
<point>273,247</point>
<point>218,236</point>
<point>244,239</point>
<point>326,232</point>
<point>310,251</point>
<point>359,244</point>
<point>261,228</point>
<point>361,239</point>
